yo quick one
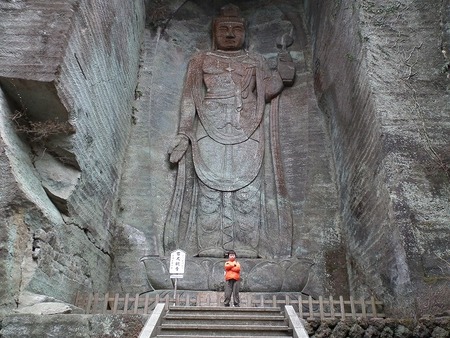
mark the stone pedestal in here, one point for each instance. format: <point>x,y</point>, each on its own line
<point>257,275</point>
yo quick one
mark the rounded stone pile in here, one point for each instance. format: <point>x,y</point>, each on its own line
<point>425,327</point>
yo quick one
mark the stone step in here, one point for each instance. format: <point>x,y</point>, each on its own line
<point>241,319</point>
<point>225,330</point>
<point>220,321</point>
<point>218,310</point>
<point>216,336</point>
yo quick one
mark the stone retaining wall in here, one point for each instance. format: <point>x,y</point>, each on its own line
<point>426,327</point>
<point>72,326</point>
<point>129,326</point>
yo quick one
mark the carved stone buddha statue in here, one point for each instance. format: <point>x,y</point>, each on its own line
<point>230,192</point>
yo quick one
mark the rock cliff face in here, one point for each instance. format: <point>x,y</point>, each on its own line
<point>382,81</point>
<point>68,74</point>
<point>148,180</point>
<point>87,117</point>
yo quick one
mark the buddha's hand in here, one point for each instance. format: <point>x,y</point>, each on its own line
<point>178,148</point>
<point>284,57</point>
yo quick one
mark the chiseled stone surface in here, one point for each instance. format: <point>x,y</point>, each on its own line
<point>74,62</point>
<point>149,179</point>
<point>49,308</point>
<point>72,326</point>
<point>34,37</point>
<point>129,326</point>
<point>381,80</point>
<point>438,327</point>
<point>364,136</point>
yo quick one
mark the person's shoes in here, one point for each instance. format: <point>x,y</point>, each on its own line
<point>226,305</point>
<point>236,305</point>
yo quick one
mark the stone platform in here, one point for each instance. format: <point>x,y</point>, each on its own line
<point>257,275</point>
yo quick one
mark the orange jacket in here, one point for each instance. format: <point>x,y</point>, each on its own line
<point>232,270</point>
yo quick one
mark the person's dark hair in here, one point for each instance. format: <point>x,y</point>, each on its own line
<point>232,252</point>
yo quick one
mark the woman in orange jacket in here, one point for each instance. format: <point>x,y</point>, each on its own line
<point>232,279</point>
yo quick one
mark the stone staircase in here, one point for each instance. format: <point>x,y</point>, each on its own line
<point>222,322</point>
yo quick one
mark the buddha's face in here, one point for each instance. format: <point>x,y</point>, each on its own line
<point>229,35</point>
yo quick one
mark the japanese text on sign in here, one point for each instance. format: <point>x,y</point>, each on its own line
<point>177,262</point>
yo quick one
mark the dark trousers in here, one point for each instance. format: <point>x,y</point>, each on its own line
<point>232,287</point>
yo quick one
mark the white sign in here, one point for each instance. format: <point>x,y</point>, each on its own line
<point>177,262</point>
<point>176,276</point>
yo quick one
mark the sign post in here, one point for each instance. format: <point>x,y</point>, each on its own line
<point>176,268</point>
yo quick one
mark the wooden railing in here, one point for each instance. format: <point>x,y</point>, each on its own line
<point>323,307</point>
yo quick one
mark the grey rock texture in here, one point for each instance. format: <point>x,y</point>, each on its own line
<point>86,119</point>
<point>206,273</point>
<point>381,80</point>
<point>129,326</point>
<point>68,73</point>
<point>72,326</point>
<point>148,180</point>
<point>30,303</point>
<point>49,308</point>
<point>360,328</point>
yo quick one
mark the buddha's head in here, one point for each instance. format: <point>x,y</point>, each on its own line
<point>229,29</point>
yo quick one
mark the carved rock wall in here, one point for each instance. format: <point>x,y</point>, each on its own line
<point>365,136</point>
<point>381,78</point>
<point>72,67</point>
<point>148,179</point>
<point>72,325</point>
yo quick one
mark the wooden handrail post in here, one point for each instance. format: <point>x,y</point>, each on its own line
<point>374,306</point>
<point>311,312</point>
<point>300,306</point>
<point>125,305</point>
<point>146,303</point>
<point>352,307</point>
<point>341,302</point>
<point>136,303</point>
<point>167,302</point>
<point>111,303</point>
<point>363,308</point>
<point>332,315</point>
<point>116,303</point>
<point>322,316</point>
<point>105,303</point>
